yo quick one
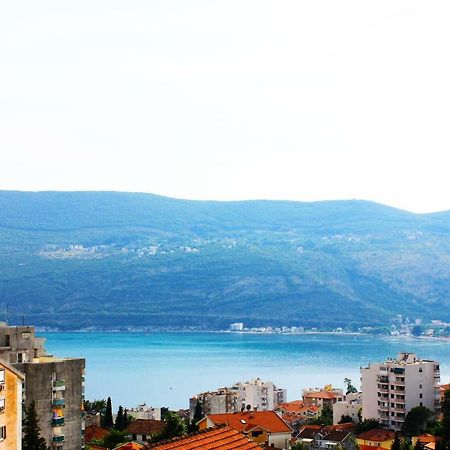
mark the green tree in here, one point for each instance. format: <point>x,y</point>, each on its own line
<point>445,408</point>
<point>114,438</point>
<point>416,421</point>
<point>298,446</point>
<point>396,445</point>
<point>350,388</point>
<point>198,415</point>
<point>345,419</point>
<point>175,426</point>
<point>108,422</point>
<point>95,406</point>
<point>32,439</point>
<point>121,420</point>
<point>366,425</point>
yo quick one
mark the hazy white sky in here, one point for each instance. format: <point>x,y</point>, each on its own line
<point>225,99</point>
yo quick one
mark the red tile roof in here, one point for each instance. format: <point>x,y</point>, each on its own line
<point>377,435</point>
<point>372,447</point>
<point>219,438</point>
<point>95,432</point>
<point>130,446</point>
<point>248,420</point>
<point>146,426</point>
<point>322,394</point>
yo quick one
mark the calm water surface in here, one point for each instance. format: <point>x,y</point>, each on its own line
<point>165,369</point>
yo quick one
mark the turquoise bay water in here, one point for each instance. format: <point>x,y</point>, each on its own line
<point>165,369</point>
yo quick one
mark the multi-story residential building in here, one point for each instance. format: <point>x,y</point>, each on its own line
<point>145,412</point>
<point>258,394</point>
<point>55,384</point>
<point>391,389</point>
<point>10,407</point>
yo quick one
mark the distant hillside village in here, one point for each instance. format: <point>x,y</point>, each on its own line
<point>401,406</point>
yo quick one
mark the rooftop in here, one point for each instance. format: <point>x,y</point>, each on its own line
<point>146,426</point>
<point>220,438</point>
<point>377,435</point>
<point>247,420</point>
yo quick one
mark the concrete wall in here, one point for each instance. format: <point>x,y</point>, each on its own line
<point>38,387</point>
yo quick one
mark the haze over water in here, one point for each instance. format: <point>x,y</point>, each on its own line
<point>165,369</point>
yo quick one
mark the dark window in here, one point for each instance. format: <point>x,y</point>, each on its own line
<point>7,340</point>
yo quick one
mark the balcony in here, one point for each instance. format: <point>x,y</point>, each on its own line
<point>59,385</point>
<point>59,402</point>
<point>59,422</point>
<point>59,439</point>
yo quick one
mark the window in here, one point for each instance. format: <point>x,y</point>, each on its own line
<point>7,340</point>
<point>420,386</point>
<point>2,405</point>
<point>420,395</point>
<point>257,433</point>
<point>2,433</point>
<point>420,369</point>
<point>2,376</point>
<point>392,395</point>
<point>421,404</point>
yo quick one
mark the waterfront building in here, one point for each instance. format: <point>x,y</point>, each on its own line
<point>258,394</point>
<point>262,427</point>
<point>10,407</point>
<point>238,326</point>
<point>391,389</point>
<point>56,385</point>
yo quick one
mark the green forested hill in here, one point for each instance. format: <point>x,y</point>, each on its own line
<point>107,259</point>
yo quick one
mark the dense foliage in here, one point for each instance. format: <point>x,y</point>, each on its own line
<point>32,439</point>
<point>107,260</point>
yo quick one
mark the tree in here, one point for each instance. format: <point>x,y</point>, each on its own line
<point>416,421</point>
<point>198,415</point>
<point>350,388</point>
<point>416,330</point>
<point>114,438</point>
<point>121,420</point>
<point>175,426</point>
<point>366,425</point>
<point>298,446</point>
<point>32,439</point>
<point>108,422</point>
<point>95,406</point>
<point>345,419</point>
<point>445,408</point>
<point>396,445</point>
<point>418,445</point>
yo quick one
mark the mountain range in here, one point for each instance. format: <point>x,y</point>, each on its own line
<point>73,260</point>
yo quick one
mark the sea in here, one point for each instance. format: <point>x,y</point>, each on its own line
<point>166,369</point>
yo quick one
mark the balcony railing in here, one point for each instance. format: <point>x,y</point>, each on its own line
<point>59,402</point>
<point>58,439</point>
<point>58,422</point>
<point>59,385</point>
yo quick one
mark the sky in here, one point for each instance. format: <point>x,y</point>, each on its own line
<point>228,99</point>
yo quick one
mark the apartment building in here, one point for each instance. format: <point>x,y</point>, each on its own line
<point>259,395</point>
<point>391,389</point>
<point>55,384</point>
<point>10,407</point>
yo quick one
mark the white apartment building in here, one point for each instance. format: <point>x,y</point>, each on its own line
<point>259,395</point>
<point>391,389</point>
<point>350,406</point>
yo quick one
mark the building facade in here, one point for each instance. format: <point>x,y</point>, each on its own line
<point>10,407</point>
<point>257,394</point>
<point>391,389</point>
<point>56,385</point>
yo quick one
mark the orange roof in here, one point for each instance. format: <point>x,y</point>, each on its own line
<point>431,446</point>
<point>295,406</point>
<point>371,447</point>
<point>425,438</point>
<point>322,394</point>
<point>377,435</point>
<point>220,438</point>
<point>248,420</point>
<point>95,432</point>
<point>129,446</point>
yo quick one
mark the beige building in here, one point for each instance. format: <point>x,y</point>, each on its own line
<point>391,389</point>
<point>10,407</point>
<point>351,406</point>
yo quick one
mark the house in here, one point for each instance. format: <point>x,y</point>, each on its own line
<point>322,397</point>
<point>350,406</point>
<point>10,407</point>
<point>262,427</point>
<point>317,437</point>
<point>141,430</point>
<point>378,437</point>
<point>296,412</point>
<point>218,438</point>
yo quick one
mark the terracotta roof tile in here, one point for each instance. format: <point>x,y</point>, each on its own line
<point>377,435</point>
<point>248,420</point>
<point>95,432</point>
<point>322,394</point>
<point>130,446</point>
<point>145,426</point>
<point>220,438</point>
